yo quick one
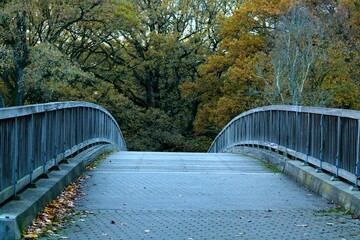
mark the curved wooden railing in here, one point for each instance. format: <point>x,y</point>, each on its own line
<point>324,137</point>
<point>35,138</point>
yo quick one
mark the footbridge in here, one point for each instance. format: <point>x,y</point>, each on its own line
<point>240,189</point>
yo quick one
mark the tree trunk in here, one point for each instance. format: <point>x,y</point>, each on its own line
<point>20,57</point>
<point>156,89</point>
<point>148,88</point>
<point>19,100</point>
<point>2,105</point>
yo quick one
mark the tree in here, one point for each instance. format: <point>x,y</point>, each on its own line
<point>291,57</point>
<point>141,50</point>
<point>14,51</point>
<point>156,46</point>
<point>52,76</point>
<point>280,52</point>
<point>334,80</point>
<point>229,83</point>
<point>25,24</point>
<point>2,104</point>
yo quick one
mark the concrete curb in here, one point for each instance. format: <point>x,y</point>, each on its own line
<point>16,215</point>
<point>340,192</point>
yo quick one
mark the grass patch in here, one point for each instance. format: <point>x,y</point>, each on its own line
<point>267,165</point>
<point>270,167</point>
<point>334,211</point>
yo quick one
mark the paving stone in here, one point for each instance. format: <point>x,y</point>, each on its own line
<point>212,224</point>
<point>135,195</point>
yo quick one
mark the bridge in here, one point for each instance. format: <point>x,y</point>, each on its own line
<point>227,193</point>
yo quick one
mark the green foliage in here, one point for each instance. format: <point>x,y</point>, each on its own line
<point>174,72</point>
<point>51,76</point>
<point>334,211</point>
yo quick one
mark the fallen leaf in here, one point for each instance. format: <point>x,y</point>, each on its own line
<point>56,212</point>
<point>31,236</point>
<point>301,225</point>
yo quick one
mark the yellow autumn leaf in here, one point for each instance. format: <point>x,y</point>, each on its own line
<point>31,236</point>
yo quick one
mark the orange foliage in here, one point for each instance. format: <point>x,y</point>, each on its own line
<point>229,84</point>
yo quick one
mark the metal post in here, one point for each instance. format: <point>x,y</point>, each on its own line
<point>90,123</point>
<point>261,120</point>
<point>257,124</point>
<point>252,124</point>
<point>264,126</point>
<point>259,129</point>
<point>101,120</point>
<point>308,140</point>
<point>338,149</point>
<point>43,145</point>
<point>286,132</point>
<point>233,133</point>
<point>236,132</point>
<point>30,146</point>
<point>270,127</point>
<point>319,169</point>
<point>297,135</point>
<point>75,123</point>
<point>57,135</point>
<point>64,136</point>
<point>56,141</point>
<point>83,126</point>
<point>357,167</point>
<point>2,152</point>
<point>278,130</point>
<point>94,122</point>
<point>229,133</point>
<point>15,139</point>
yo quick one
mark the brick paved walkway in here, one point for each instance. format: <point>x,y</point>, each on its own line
<point>137,195</point>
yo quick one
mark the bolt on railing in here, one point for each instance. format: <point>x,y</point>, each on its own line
<point>326,138</point>
<point>35,138</point>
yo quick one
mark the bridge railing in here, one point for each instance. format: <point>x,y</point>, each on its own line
<point>324,137</point>
<point>35,138</point>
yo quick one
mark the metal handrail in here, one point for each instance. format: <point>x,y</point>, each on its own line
<point>35,138</point>
<point>325,137</point>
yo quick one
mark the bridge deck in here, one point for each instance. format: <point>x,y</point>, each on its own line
<point>140,195</point>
